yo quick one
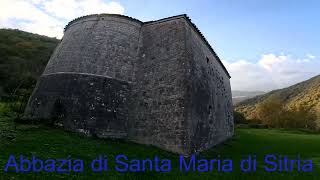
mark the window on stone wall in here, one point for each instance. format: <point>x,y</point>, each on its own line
<point>114,115</point>
<point>207,59</point>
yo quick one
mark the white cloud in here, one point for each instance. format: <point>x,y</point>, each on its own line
<point>268,60</point>
<point>71,9</point>
<point>37,1</point>
<point>271,72</point>
<point>310,56</point>
<point>26,16</point>
<point>49,17</point>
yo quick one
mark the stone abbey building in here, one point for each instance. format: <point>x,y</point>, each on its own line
<point>156,82</point>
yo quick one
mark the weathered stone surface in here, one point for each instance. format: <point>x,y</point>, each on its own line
<point>156,83</point>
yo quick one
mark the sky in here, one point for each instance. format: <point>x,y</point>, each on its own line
<point>264,44</point>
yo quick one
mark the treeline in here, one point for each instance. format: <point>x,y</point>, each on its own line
<point>272,113</point>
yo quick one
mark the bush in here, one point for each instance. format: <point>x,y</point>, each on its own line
<point>239,118</point>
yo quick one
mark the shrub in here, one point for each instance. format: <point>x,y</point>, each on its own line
<point>239,118</point>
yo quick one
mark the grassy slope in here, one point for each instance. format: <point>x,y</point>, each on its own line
<point>46,143</point>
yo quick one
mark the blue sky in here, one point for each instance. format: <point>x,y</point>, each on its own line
<point>245,29</point>
<point>265,44</point>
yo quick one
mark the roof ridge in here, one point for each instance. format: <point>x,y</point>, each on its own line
<point>98,15</point>
<point>207,43</point>
<point>170,17</point>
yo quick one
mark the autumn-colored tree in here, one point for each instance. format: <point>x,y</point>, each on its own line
<point>268,112</point>
<point>272,113</point>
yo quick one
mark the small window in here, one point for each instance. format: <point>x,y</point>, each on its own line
<point>209,109</point>
<point>207,59</point>
<point>114,115</point>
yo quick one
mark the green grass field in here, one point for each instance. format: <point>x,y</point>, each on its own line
<point>45,142</point>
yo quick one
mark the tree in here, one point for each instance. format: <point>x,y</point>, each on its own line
<point>268,112</point>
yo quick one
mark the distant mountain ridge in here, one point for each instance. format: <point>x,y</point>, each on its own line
<point>305,94</point>
<point>238,96</point>
<point>236,93</point>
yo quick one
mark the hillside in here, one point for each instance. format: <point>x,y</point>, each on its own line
<point>23,57</point>
<point>305,94</point>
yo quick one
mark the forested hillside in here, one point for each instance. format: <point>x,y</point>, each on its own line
<point>23,57</point>
<point>300,102</point>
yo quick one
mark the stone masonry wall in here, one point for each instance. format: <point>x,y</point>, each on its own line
<point>87,79</point>
<point>209,110</point>
<point>94,105</point>
<point>97,45</point>
<point>157,116</point>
